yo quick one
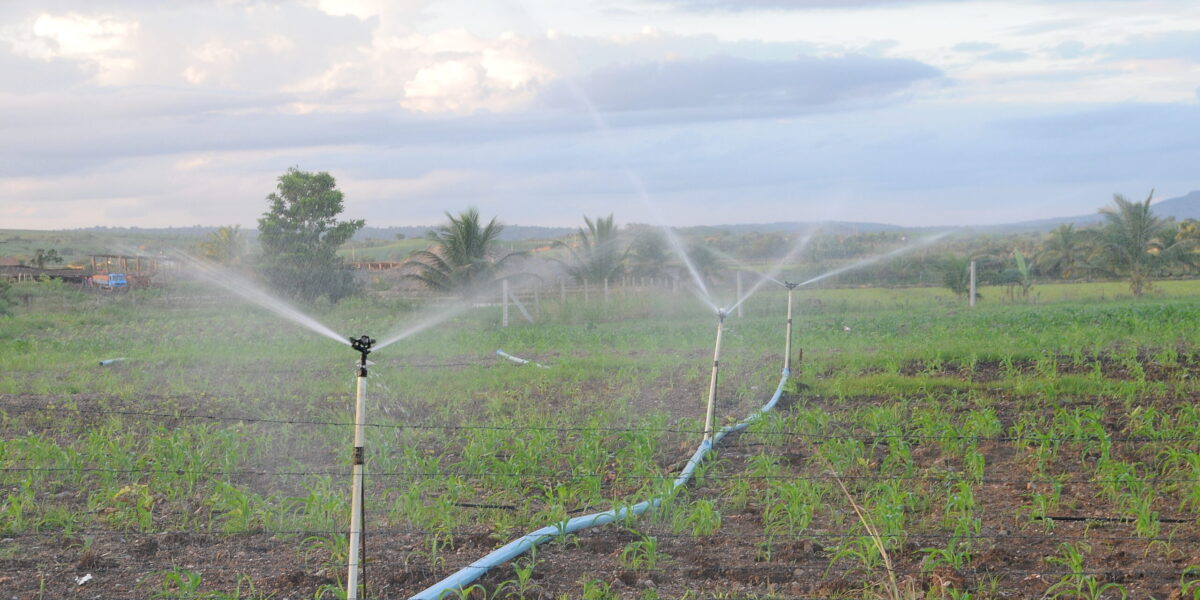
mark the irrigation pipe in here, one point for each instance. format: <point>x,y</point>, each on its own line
<point>459,580</point>
<point>520,361</point>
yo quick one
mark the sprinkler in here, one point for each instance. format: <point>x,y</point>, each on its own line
<point>362,345</point>
<point>787,344</point>
<point>712,386</point>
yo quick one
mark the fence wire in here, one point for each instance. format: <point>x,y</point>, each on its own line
<point>772,432</point>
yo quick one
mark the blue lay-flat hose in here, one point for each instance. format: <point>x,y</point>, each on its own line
<point>463,577</point>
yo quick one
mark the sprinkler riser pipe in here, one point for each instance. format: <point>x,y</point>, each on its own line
<point>787,338</point>
<point>356,491</point>
<point>712,385</point>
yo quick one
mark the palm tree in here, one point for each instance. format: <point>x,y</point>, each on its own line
<point>596,257</point>
<point>1131,243</point>
<point>225,246</point>
<point>1187,237</point>
<point>955,272</point>
<point>1062,251</point>
<point>462,259</point>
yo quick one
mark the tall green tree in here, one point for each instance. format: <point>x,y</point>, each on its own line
<point>226,246</point>
<point>1131,243</point>
<point>300,235</point>
<point>463,259</point>
<point>1063,251</point>
<point>596,255</point>
<point>42,257</point>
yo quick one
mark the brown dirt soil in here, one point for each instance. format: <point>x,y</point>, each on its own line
<point>1009,560</point>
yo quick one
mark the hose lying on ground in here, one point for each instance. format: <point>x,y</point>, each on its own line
<point>519,546</point>
<point>520,361</point>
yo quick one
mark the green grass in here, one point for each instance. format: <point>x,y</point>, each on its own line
<point>920,407</point>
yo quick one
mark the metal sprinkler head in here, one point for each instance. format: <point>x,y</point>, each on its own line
<point>789,285</point>
<point>363,346</point>
<point>722,313</point>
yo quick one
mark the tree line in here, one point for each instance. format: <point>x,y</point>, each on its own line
<point>300,235</point>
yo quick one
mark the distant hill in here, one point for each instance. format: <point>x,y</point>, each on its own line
<point>836,227</point>
<point>1183,207</point>
<point>510,232</point>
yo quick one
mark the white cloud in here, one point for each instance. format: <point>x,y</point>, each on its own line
<point>178,113</point>
<point>104,43</point>
<point>445,71</point>
<point>446,86</point>
<point>362,9</point>
<point>496,79</point>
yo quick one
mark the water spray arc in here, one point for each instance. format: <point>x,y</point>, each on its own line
<point>874,259</point>
<point>252,292</point>
<point>712,384</point>
<point>458,581</point>
<point>354,566</point>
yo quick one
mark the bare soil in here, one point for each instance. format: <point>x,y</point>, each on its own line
<point>1010,560</point>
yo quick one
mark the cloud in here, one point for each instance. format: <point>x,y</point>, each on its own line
<point>1171,45</point>
<point>749,85</point>
<point>750,5</point>
<point>103,43</point>
<point>37,75</point>
<point>989,52</point>
<point>462,73</point>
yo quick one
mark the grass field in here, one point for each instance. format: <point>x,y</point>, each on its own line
<point>1041,448</point>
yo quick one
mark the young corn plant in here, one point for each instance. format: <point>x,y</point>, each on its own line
<point>702,518</point>
<point>1076,582</point>
<point>791,506</point>
<point>180,584</point>
<point>521,585</point>
<point>642,554</point>
<point>596,589</point>
<point>1189,583</point>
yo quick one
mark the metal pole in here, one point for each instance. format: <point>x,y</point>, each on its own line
<point>354,566</point>
<point>971,297</point>
<point>787,344</point>
<point>562,290</point>
<point>712,385</point>
<point>537,302</point>
<point>605,289</point>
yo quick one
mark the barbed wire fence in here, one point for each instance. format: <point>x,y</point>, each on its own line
<point>832,431</point>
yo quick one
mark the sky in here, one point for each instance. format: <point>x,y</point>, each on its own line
<point>681,112</point>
